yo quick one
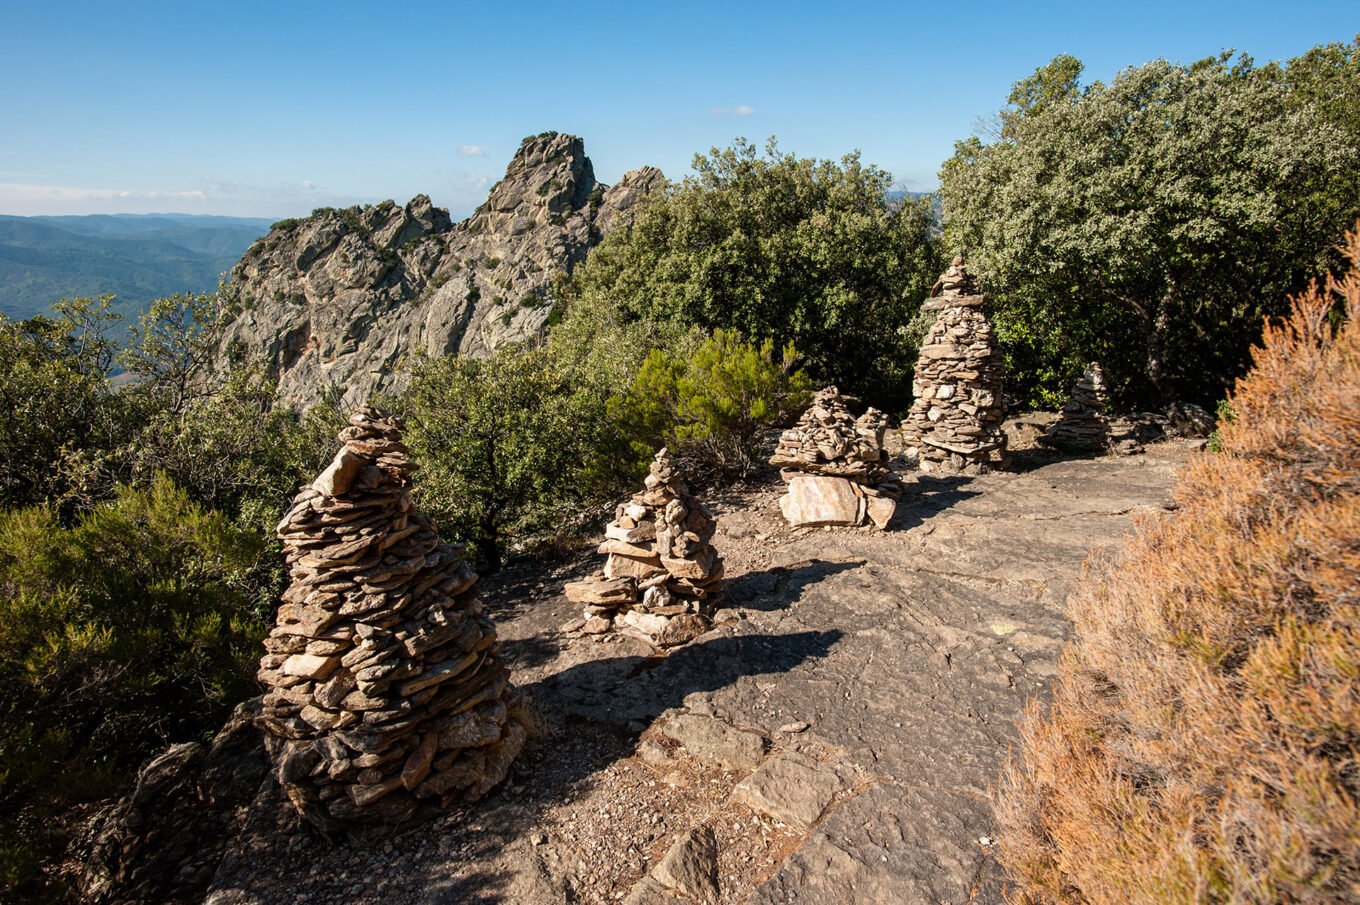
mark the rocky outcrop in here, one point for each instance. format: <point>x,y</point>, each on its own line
<point>385,691</point>
<point>336,301</point>
<point>162,843</point>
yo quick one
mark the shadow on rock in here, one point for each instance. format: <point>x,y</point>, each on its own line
<point>929,496</point>
<point>780,587</point>
<point>635,689</point>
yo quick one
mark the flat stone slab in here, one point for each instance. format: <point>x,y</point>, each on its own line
<point>717,742</point>
<point>816,500</point>
<point>791,788</point>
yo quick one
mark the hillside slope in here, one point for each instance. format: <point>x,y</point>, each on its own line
<point>340,299</point>
<point>136,258</point>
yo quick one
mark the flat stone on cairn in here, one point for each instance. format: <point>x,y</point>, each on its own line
<point>384,694</point>
<point>1082,427</point>
<point>836,466</point>
<point>955,418</point>
<point>662,578</point>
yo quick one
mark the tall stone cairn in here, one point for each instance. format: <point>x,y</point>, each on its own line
<point>955,417</point>
<point>1081,426</point>
<point>384,696</point>
<point>836,466</point>
<point>662,578</point>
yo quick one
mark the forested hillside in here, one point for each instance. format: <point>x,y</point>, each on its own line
<point>135,258</point>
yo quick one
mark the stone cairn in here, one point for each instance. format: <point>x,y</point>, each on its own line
<point>955,417</point>
<point>662,578</point>
<point>1081,427</point>
<point>836,466</point>
<point>384,692</point>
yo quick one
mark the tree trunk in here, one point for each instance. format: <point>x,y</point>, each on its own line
<point>1157,328</point>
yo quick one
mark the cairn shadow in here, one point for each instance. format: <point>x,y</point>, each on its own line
<point>782,586</point>
<point>1023,461</point>
<point>930,496</point>
<point>597,709</point>
<point>625,692</point>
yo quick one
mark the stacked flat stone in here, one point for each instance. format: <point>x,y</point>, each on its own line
<point>1082,427</point>
<point>662,578</point>
<point>384,694</point>
<point>955,418</point>
<point>836,466</point>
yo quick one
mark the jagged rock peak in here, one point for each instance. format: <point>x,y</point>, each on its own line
<point>340,299</point>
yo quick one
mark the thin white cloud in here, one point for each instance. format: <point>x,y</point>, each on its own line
<point>740,110</point>
<point>215,196</point>
<point>471,151</point>
<point>28,198</point>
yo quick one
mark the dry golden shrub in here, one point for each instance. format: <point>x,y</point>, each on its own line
<point>1203,744</point>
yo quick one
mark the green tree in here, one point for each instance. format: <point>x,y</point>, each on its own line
<point>513,449</point>
<point>56,397</point>
<point>777,247</point>
<point>172,348</point>
<point>709,405</point>
<point>236,450</point>
<point>1151,222</point>
<point>134,627</point>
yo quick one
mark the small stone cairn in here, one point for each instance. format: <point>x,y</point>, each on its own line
<point>1081,427</point>
<point>662,579</point>
<point>836,466</point>
<point>955,417</point>
<point>384,693</point>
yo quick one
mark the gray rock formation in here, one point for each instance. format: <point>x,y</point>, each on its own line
<point>340,299</point>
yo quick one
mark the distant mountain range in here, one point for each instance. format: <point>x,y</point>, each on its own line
<point>137,257</point>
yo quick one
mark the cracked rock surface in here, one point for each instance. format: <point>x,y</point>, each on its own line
<point>836,731</point>
<point>336,302</point>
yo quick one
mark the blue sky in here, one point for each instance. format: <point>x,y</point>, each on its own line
<point>272,109</point>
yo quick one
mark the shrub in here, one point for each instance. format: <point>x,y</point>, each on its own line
<point>515,449</point>
<point>710,404</point>
<point>779,247</point>
<point>1203,739</point>
<point>129,630</point>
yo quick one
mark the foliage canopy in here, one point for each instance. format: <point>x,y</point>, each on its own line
<point>777,247</point>
<point>1152,222</point>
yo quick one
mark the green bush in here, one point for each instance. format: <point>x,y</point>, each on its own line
<point>709,405</point>
<point>1151,222</point>
<point>514,449</point>
<point>777,247</point>
<point>133,628</point>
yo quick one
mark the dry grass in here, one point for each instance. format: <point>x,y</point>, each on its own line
<point>1204,739</point>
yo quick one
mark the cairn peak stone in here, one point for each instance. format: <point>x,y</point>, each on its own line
<point>833,462</point>
<point>954,424</point>
<point>338,299</point>
<point>385,697</point>
<point>662,578</point>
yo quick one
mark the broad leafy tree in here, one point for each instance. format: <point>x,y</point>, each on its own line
<point>1153,222</point>
<point>778,247</point>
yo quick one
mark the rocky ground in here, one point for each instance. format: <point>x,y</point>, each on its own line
<point>832,739</point>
